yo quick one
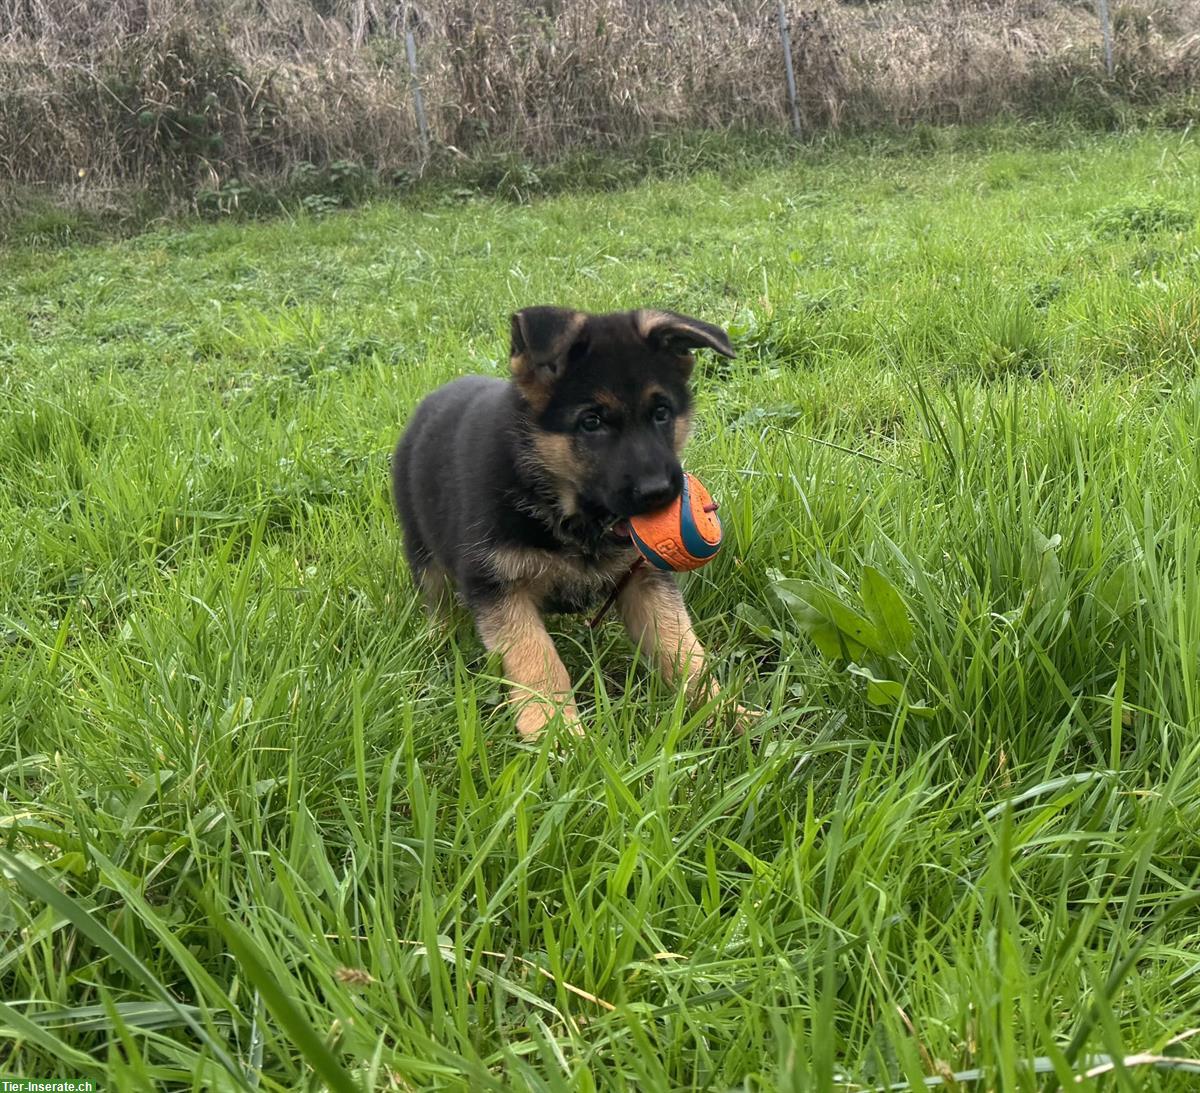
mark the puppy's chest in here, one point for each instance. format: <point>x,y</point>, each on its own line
<point>561,582</point>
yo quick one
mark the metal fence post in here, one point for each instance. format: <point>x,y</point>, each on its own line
<point>1106,30</point>
<point>410,47</point>
<point>786,40</point>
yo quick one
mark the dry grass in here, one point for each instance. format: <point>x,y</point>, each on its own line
<point>178,94</point>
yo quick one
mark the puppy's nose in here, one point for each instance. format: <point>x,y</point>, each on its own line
<point>653,493</point>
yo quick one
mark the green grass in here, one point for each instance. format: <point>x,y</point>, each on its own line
<point>258,830</point>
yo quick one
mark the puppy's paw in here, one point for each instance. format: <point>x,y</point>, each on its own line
<point>534,717</point>
<point>743,718</point>
<point>439,629</point>
<point>728,713</point>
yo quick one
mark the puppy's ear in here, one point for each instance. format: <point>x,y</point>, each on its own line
<point>543,340</point>
<point>680,334</point>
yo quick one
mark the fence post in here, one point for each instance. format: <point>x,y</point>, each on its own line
<point>410,47</point>
<point>786,41</point>
<point>1106,30</point>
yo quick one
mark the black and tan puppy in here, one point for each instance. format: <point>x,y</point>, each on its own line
<point>518,492</point>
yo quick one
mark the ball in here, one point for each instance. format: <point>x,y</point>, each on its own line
<point>684,535</point>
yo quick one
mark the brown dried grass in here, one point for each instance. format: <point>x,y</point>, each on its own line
<point>180,93</point>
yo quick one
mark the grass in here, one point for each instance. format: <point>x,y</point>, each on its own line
<point>258,831</point>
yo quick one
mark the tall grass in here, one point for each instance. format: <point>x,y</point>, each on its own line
<point>257,829</point>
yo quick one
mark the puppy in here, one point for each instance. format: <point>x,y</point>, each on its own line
<point>518,493</point>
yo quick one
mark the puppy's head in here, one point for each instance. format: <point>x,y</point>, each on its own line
<point>609,404</point>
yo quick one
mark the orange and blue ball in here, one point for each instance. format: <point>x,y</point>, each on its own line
<point>684,535</point>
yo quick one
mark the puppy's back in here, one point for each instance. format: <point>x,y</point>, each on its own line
<point>445,467</point>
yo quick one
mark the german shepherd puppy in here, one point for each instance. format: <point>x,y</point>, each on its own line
<point>518,492</point>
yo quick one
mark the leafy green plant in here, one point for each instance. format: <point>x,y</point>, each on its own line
<point>232,198</point>
<point>1143,216</point>
<point>319,204</point>
<point>1013,340</point>
<point>872,644</point>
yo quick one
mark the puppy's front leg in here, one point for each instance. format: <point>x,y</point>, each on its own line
<point>654,614</point>
<point>512,626</point>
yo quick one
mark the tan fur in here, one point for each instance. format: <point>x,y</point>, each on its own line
<point>532,374</point>
<point>657,621</point>
<point>647,321</point>
<point>545,576</point>
<point>540,685</point>
<point>524,375</point>
<point>651,607</point>
<point>683,426</point>
<point>557,458</point>
<point>651,324</point>
<point>435,589</point>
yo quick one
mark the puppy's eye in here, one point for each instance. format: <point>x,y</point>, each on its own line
<point>662,414</point>
<point>590,423</point>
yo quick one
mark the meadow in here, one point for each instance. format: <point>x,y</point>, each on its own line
<point>259,830</point>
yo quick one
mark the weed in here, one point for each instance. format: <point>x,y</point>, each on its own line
<point>1143,217</point>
